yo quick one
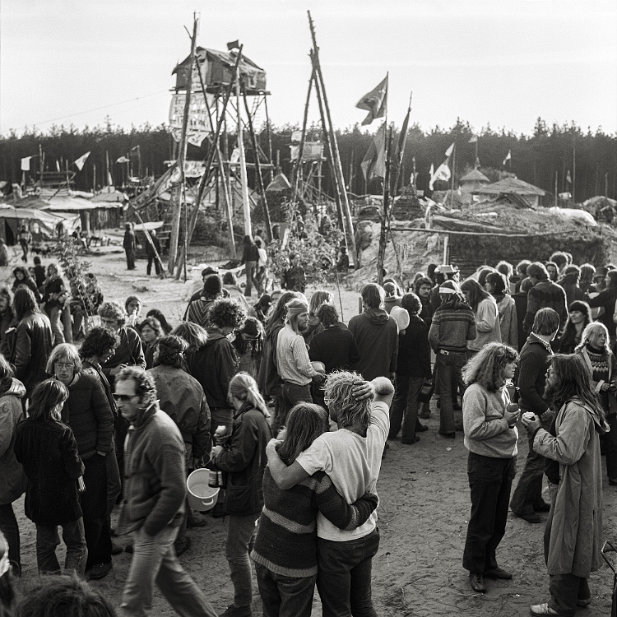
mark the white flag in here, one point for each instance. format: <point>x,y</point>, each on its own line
<point>508,158</point>
<point>431,174</point>
<point>442,173</point>
<point>474,139</point>
<point>80,162</point>
<point>25,163</point>
<point>122,159</point>
<point>450,149</point>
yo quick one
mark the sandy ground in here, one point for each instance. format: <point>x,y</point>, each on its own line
<point>422,514</point>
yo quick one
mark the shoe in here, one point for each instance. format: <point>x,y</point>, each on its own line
<point>116,548</point>
<point>477,583</point>
<point>542,609</point>
<point>583,602</point>
<point>237,611</point>
<point>98,571</point>
<point>530,517</point>
<point>451,435</point>
<point>420,428</point>
<point>182,547</point>
<point>541,507</point>
<point>498,573</point>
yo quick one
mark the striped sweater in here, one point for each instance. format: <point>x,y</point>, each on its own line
<point>286,541</point>
<point>452,328</point>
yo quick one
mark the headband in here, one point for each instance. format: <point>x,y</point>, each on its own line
<point>447,290</point>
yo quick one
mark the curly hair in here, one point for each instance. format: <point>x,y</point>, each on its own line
<point>327,315</point>
<point>171,350</point>
<point>487,366</point>
<point>98,342</point>
<point>344,408</point>
<point>144,383</point>
<point>113,310</point>
<point>226,313</point>
<point>411,303</point>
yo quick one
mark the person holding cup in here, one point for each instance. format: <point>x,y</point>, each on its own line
<point>489,421</point>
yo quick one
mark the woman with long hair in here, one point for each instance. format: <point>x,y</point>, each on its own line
<point>496,285</point>
<point>486,314</point>
<point>47,449</point>
<point>491,438</point>
<point>285,551</point>
<point>7,321</point>
<point>12,479</point>
<point>319,297</point>
<point>452,327</point>
<point>600,360</point>
<point>162,320</point>
<point>579,317</point>
<point>151,331</point>
<point>243,459</point>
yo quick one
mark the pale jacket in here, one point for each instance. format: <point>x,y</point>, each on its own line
<point>487,325</point>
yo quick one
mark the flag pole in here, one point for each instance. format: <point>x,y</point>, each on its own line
<point>556,186</point>
<point>453,172</point>
<point>386,203</point>
<point>574,168</point>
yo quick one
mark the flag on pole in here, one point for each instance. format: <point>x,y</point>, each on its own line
<point>375,102</point>
<point>25,163</point>
<point>122,159</point>
<point>508,158</point>
<point>135,149</point>
<point>110,180</point>
<point>474,139</point>
<point>568,177</point>
<point>402,138</point>
<point>431,174</point>
<point>441,173</point>
<point>80,162</point>
<point>374,162</point>
<point>450,149</point>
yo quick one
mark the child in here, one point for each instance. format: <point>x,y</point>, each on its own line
<point>48,452</point>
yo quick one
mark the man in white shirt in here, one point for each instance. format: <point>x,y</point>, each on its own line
<point>351,457</point>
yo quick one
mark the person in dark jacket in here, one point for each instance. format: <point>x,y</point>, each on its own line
<point>527,499</point>
<point>376,335</point>
<point>7,320</point>
<point>33,340</point>
<point>153,253</point>
<point>88,413</point>
<point>12,478</point>
<point>294,278</point>
<point>153,506</point>
<point>413,368</point>
<point>216,363</point>
<point>23,279</point>
<point>250,257</point>
<point>570,283</point>
<point>47,449</point>
<point>130,246</point>
<point>422,289</point>
<point>579,317</point>
<point>606,301</point>
<point>244,461</point>
<point>544,294</point>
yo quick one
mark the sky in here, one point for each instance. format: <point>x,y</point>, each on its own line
<point>489,62</point>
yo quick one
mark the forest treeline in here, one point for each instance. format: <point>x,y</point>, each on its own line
<point>588,158</point>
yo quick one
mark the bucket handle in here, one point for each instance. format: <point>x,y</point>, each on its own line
<point>208,502</point>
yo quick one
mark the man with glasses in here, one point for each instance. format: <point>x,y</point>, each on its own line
<point>154,502</point>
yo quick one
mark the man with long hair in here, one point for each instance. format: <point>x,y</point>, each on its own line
<point>573,535</point>
<point>351,457</point>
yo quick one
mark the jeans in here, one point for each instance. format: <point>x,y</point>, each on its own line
<point>528,491</point>
<point>610,447</point>
<point>405,407</point>
<point>566,590</point>
<point>240,530</point>
<point>157,265</point>
<point>250,267</point>
<point>291,394</point>
<point>76,550</point>
<point>130,259</point>
<point>94,506</point>
<point>490,481</point>
<point>284,596</point>
<point>344,577</point>
<point>154,560</point>
<point>448,378</point>
<point>10,529</point>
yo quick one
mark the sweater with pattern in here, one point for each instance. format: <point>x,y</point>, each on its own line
<point>286,541</point>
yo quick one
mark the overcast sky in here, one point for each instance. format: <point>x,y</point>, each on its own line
<point>488,61</point>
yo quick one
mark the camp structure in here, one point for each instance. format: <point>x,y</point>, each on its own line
<point>93,215</point>
<point>512,186</point>
<point>42,224</point>
<point>470,183</point>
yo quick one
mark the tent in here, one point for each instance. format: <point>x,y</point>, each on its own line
<point>42,224</point>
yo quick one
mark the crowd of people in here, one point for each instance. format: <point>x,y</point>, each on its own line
<point>295,409</point>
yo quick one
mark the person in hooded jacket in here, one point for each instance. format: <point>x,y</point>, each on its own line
<point>376,335</point>
<point>573,534</point>
<point>12,477</point>
<point>216,362</point>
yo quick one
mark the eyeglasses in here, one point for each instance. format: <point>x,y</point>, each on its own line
<point>64,365</point>
<point>124,397</point>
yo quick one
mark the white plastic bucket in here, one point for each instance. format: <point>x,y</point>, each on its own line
<point>201,496</point>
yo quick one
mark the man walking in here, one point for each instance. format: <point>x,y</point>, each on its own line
<point>153,506</point>
<point>130,246</point>
<point>153,253</point>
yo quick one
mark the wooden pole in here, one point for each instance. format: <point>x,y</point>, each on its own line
<point>386,203</point>
<point>574,168</point>
<point>175,223</point>
<point>269,138</point>
<point>260,180</point>
<point>149,241</point>
<point>246,207</point>
<point>556,187</point>
<point>337,158</point>
<point>298,167</point>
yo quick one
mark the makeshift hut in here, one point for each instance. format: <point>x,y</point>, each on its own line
<point>512,186</point>
<point>470,183</point>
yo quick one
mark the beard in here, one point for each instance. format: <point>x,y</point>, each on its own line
<point>550,390</point>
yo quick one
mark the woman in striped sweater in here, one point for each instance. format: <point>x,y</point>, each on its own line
<point>285,551</point>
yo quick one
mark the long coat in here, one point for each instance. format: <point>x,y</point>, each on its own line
<point>573,537</point>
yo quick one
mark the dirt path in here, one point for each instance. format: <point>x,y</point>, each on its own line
<point>423,516</point>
